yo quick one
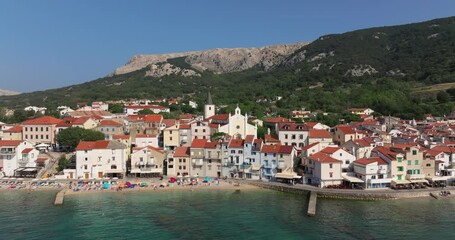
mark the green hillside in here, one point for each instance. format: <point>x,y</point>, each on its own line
<point>403,58</point>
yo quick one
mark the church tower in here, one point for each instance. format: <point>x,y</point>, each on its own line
<point>209,107</point>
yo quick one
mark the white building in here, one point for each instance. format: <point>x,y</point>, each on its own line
<point>143,140</point>
<point>322,170</point>
<point>15,154</point>
<point>147,161</point>
<point>293,134</point>
<point>373,171</point>
<point>100,159</point>
<point>134,110</point>
<point>238,126</point>
<point>36,109</point>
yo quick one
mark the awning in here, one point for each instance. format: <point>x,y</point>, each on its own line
<point>351,179</point>
<point>284,175</point>
<point>419,181</point>
<point>401,181</point>
<point>255,168</point>
<point>135,171</point>
<point>438,178</point>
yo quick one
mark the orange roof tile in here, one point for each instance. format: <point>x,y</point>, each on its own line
<point>277,120</point>
<point>198,143</point>
<point>89,145</point>
<point>249,138</point>
<point>14,129</point>
<point>210,145</point>
<point>323,158</point>
<point>110,123</point>
<point>269,138</point>
<point>236,143</point>
<point>153,118</point>
<point>10,143</point>
<point>270,148</point>
<point>319,133</point>
<point>366,161</point>
<point>46,120</point>
<point>182,152</point>
<point>116,137</point>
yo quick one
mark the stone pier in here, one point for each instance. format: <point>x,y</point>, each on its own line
<point>312,204</point>
<point>59,197</point>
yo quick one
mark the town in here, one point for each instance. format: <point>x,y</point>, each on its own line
<point>378,152</point>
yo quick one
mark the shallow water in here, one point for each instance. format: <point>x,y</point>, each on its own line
<point>258,214</point>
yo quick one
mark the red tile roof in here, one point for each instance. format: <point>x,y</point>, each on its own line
<point>41,160</point>
<point>293,127</point>
<point>269,138</point>
<point>286,149</point>
<point>345,129</point>
<point>198,143</point>
<point>14,129</point>
<point>445,149</point>
<point>102,144</point>
<point>323,158</point>
<point>169,122</point>
<point>160,150</point>
<point>110,123</point>
<point>310,146</point>
<point>10,143</point>
<point>249,138</point>
<point>330,150</point>
<point>125,137</point>
<point>210,145</point>
<point>366,161</point>
<point>149,118</point>
<point>146,107</point>
<point>81,120</point>
<point>182,152</point>
<point>185,126</point>
<point>236,143</point>
<point>277,120</point>
<point>46,120</point>
<point>270,148</point>
<point>187,116</point>
<point>386,152</point>
<point>319,133</point>
<point>27,150</point>
<point>219,117</point>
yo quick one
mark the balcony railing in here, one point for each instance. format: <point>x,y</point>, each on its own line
<point>7,152</point>
<point>198,162</point>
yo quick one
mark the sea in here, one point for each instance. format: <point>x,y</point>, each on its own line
<point>221,214</point>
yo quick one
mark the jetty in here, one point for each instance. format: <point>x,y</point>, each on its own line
<point>59,197</point>
<point>312,204</point>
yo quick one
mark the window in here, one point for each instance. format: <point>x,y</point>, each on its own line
<point>331,165</point>
<point>102,130</point>
<point>240,151</point>
<point>347,162</point>
<point>170,166</point>
<point>400,159</point>
<point>409,172</point>
<point>399,177</point>
<point>409,162</point>
<point>31,136</point>
<point>47,128</point>
<point>331,174</point>
<point>180,160</point>
<point>113,129</point>
<point>42,137</point>
<point>265,154</point>
<point>180,167</point>
<point>232,151</point>
<point>416,162</point>
<point>195,130</point>
<point>203,130</point>
<point>301,136</point>
<point>86,159</point>
<point>26,136</point>
<point>26,129</point>
<point>400,169</point>
<point>36,129</point>
<point>47,136</point>
<point>170,139</point>
<point>281,155</point>
<point>42,129</point>
<point>414,152</point>
<point>285,136</point>
<point>341,154</point>
<point>184,160</point>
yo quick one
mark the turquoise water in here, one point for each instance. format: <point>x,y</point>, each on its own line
<point>219,215</point>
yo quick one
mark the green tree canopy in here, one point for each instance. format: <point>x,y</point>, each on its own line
<point>71,137</point>
<point>116,108</point>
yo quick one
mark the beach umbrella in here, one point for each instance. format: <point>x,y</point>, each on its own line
<point>128,184</point>
<point>106,185</point>
<point>172,180</point>
<point>207,179</point>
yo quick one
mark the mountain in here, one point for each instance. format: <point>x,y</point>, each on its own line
<point>8,92</point>
<point>224,60</point>
<point>394,70</point>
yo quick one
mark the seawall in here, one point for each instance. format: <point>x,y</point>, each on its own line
<point>379,194</point>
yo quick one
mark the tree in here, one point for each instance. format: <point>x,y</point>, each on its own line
<point>145,112</point>
<point>443,97</point>
<point>62,163</point>
<point>217,136</point>
<point>71,137</point>
<point>261,132</point>
<point>116,108</point>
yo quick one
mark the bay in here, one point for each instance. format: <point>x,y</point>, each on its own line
<point>256,214</point>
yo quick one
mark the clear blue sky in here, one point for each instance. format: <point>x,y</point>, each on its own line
<point>48,43</point>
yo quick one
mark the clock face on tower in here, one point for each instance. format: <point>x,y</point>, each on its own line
<point>238,127</point>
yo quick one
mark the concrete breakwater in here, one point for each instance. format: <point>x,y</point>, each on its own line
<point>379,194</point>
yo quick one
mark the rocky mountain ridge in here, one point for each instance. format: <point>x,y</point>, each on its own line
<point>8,92</point>
<point>219,60</point>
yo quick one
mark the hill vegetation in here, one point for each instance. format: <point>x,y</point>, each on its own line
<point>383,68</point>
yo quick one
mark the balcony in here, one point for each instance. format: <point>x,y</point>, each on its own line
<point>414,176</point>
<point>197,162</point>
<point>8,152</point>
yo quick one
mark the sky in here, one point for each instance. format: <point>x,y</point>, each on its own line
<point>48,43</point>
